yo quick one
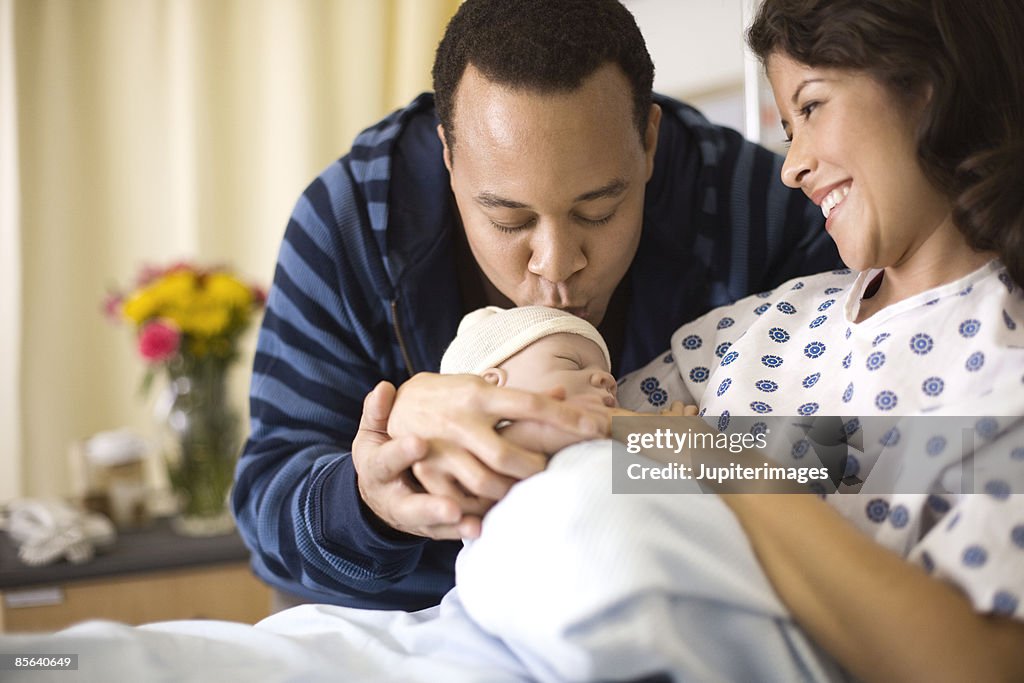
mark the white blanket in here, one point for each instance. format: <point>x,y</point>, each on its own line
<point>567,583</point>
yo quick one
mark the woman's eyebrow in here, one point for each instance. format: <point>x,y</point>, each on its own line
<point>796,93</point>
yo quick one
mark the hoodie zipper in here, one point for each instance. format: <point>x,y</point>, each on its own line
<point>401,341</point>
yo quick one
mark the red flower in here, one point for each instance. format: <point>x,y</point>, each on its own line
<point>158,341</point>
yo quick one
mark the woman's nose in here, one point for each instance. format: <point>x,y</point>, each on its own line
<point>798,163</point>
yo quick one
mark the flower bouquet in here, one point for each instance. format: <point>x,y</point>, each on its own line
<point>188,321</point>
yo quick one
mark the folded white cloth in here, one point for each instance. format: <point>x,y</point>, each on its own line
<point>117,447</point>
<point>47,530</point>
<point>582,584</point>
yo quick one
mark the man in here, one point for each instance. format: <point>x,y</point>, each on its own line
<point>543,171</point>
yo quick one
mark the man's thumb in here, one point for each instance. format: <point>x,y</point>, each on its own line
<point>377,408</point>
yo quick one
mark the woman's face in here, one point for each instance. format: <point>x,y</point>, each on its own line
<point>853,152</point>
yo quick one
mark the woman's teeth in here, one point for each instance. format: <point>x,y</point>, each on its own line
<point>833,198</point>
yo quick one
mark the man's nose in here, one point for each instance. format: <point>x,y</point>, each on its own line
<point>557,251</point>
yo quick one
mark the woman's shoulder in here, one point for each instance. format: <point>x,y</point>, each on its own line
<point>794,299</point>
<point>807,302</point>
<point>813,288</point>
<point>988,307</point>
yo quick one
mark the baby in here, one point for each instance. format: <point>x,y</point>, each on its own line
<point>540,349</point>
<point>534,348</point>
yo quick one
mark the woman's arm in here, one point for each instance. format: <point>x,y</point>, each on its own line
<point>880,616</point>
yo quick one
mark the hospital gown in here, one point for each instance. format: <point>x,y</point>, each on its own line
<point>956,350</point>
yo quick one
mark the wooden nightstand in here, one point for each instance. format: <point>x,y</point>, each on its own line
<point>148,575</point>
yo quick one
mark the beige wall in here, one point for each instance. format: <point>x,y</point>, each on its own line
<point>136,131</point>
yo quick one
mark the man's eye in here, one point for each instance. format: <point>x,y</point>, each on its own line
<point>509,229</point>
<point>597,221</point>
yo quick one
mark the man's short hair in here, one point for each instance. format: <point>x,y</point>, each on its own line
<point>546,46</point>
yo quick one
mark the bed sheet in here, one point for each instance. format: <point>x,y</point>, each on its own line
<point>309,643</point>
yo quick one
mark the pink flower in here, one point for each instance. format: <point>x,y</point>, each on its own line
<point>159,340</point>
<point>259,296</point>
<point>182,265</point>
<point>150,273</point>
<point>112,306</point>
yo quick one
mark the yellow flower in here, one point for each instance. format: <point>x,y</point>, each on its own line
<point>228,290</point>
<point>176,288</point>
<point>161,297</point>
<point>210,308</point>
<point>203,317</point>
<point>141,306</point>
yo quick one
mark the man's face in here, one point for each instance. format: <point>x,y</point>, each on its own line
<point>550,187</point>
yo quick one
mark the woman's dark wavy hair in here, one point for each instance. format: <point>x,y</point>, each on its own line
<point>970,55</point>
<point>547,46</point>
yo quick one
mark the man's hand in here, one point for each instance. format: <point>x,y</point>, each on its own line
<point>464,409</point>
<point>447,465</point>
<point>677,409</point>
<point>384,478</point>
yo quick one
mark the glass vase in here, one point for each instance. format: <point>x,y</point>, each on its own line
<point>201,442</point>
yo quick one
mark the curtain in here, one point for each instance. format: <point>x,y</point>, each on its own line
<point>10,267</point>
<point>149,131</point>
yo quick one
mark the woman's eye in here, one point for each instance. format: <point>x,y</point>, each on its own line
<point>806,110</point>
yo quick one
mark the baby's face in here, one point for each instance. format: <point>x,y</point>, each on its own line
<point>563,360</point>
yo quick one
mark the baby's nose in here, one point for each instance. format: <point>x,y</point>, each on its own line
<point>605,381</point>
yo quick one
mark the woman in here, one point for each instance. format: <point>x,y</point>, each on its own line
<point>905,120</point>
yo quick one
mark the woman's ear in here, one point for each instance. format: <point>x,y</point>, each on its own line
<point>496,376</point>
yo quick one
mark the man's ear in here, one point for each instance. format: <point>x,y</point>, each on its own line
<point>447,153</point>
<point>651,137</point>
<point>496,376</point>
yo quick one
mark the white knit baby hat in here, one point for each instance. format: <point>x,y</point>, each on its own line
<point>489,336</point>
